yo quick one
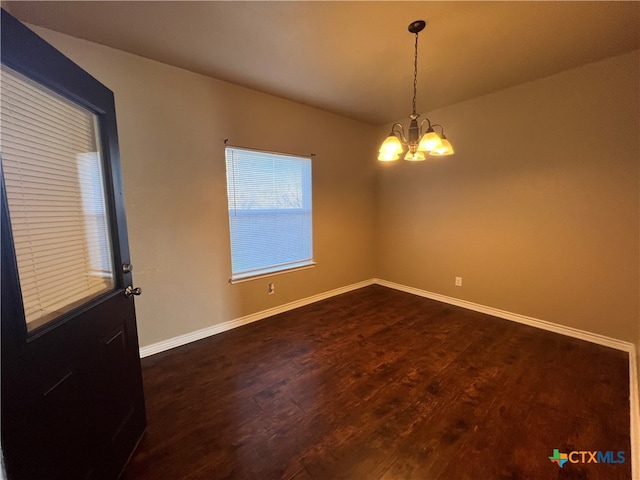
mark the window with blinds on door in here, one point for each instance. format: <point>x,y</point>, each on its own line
<point>55,189</point>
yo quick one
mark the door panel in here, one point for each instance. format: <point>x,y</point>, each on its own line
<point>64,431</point>
<point>113,364</point>
<point>72,398</point>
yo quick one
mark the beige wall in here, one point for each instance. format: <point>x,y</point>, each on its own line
<point>172,124</point>
<point>538,210</point>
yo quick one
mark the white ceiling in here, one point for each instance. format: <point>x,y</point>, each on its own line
<point>355,58</point>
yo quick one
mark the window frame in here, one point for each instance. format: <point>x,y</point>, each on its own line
<point>238,276</point>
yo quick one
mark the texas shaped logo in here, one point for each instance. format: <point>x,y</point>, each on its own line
<point>559,458</point>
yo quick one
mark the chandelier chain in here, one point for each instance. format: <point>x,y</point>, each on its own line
<point>415,75</point>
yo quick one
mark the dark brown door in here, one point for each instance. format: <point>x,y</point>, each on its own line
<point>72,399</point>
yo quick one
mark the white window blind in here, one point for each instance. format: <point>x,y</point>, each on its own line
<point>270,220</point>
<point>55,193</point>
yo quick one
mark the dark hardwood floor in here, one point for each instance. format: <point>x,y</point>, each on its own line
<point>381,384</point>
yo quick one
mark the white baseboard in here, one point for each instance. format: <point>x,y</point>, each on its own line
<point>238,322</point>
<point>533,322</point>
<point>634,399</point>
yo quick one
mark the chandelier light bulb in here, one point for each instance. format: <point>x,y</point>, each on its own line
<point>415,157</point>
<point>444,150</point>
<point>391,146</point>
<point>388,157</point>
<point>430,141</point>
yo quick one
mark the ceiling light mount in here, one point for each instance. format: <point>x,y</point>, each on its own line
<point>417,26</point>
<point>418,140</point>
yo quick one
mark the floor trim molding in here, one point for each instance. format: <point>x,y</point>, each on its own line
<point>533,322</point>
<point>630,348</point>
<point>238,322</point>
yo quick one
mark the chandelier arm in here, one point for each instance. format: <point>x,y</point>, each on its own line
<point>399,131</point>
<point>428,123</point>
<point>441,128</point>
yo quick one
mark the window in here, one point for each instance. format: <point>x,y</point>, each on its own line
<point>56,197</point>
<point>269,197</point>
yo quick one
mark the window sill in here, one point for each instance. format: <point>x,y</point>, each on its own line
<point>264,274</point>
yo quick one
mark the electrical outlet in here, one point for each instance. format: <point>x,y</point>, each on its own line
<point>458,281</point>
<point>272,289</point>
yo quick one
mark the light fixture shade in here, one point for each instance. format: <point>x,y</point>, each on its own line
<point>445,149</point>
<point>430,141</point>
<point>388,157</point>
<point>415,157</point>
<point>391,146</point>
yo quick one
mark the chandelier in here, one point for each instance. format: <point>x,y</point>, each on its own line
<point>419,140</point>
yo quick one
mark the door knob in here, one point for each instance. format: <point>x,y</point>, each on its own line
<point>132,291</point>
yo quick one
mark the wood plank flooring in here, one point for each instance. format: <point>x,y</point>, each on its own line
<point>383,385</point>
